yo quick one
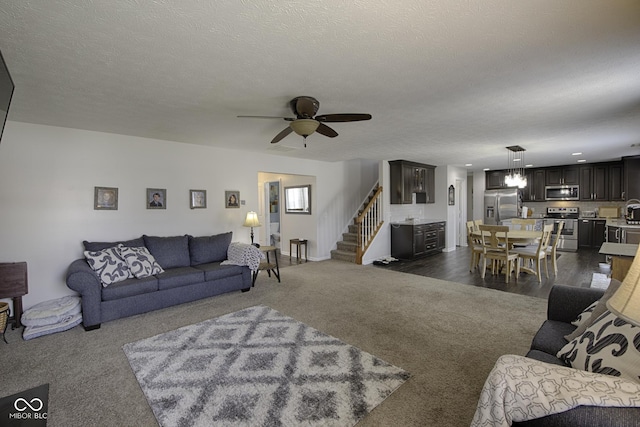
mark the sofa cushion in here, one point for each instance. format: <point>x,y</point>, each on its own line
<point>214,270</point>
<point>140,261</point>
<point>609,346</point>
<point>207,249</point>
<point>108,265</point>
<point>181,276</point>
<point>98,246</point>
<point>550,336</point>
<point>129,288</point>
<point>170,252</point>
<point>600,308</point>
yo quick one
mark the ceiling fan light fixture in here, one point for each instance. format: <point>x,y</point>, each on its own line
<point>304,127</point>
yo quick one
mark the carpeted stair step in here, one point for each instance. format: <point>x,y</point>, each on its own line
<point>347,246</point>
<point>350,237</point>
<point>343,256</point>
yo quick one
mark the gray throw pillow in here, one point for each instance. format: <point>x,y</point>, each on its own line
<point>108,265</point>
<point>169,252</point>
<point>601,307</point>
<point>209,248</point>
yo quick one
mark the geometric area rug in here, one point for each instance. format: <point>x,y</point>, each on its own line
<point>257,367</point>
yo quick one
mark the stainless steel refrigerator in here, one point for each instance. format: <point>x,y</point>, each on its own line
<point>502,204</point>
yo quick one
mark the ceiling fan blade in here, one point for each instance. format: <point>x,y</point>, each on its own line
<point>335,118</point>
<point>282,134</point>
<point>326,131</point>
<point>267,117</point>
<point>305,107</point>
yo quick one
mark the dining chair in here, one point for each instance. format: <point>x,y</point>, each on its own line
<point>497,250</point>
<point>475,245</point>
<point>537,253</point>
<point>523,224</point>
<point>551,250</point>
<point>476,224</point>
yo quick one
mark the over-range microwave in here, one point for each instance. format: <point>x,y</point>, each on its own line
<point>562,192</point>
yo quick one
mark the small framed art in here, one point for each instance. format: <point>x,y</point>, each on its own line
<point>232,199</point>
<point>105,198</point>
<point>197,199</point>
<point>156,198</point>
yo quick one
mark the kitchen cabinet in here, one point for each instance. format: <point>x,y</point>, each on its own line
<point>534,191</point>
<point>407,178</point>
<point>495,179</point>
<point>566,175</point>
<point>591,233</point>
<point>620,234</point>
<point>616,181</point>
<point>631,177</point>
<point>410,241</point>
<point>594,182</point>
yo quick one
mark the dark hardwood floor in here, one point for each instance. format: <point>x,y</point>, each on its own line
<point>574,269</point>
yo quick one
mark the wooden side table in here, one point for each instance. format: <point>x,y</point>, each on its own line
<point>299,244</point>
<point>268,266</point>
<point>14,284</point>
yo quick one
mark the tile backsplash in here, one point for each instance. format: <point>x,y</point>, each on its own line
<point>540,208</point>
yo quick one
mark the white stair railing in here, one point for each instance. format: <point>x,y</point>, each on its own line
<point>369,223</point>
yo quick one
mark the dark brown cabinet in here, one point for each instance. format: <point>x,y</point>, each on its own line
<point>631,177</point>
<point>594,182</point>
<point>591,233</point>
<point>495,179</point>
<point>409,241</point>
<point>407,178</point>
<point>566,175</point>
<point>534,191</point>
<point>616,181</point>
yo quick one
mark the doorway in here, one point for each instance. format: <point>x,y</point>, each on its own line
<point>272,213</point>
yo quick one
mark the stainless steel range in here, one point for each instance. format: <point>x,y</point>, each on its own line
<point>569,235</point>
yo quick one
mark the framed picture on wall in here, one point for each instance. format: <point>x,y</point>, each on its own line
<point>198,199</point>
<point>156,198</point>
<point>105,198</point>
<point>232,199</point>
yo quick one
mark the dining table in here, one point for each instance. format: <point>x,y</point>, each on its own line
<point>519,237</point>
<point>515,236</point>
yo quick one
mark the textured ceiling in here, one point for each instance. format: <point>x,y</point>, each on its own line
<point>447,82</point>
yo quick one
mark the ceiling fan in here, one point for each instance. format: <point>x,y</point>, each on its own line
<point>306,122</point>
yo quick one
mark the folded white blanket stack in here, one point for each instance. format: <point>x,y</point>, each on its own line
<point>52,316</point>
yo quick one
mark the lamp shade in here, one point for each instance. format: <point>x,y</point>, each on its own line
<point>625,303</point>
<point>251,220</point>
<point>304,127</point>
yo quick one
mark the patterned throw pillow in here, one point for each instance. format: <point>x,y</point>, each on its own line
<point>109,265</point>
<point>140,261</point>
<point>609,346</point>
<point>584,316</point>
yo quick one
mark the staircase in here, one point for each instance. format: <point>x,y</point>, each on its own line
<point>360,234</point>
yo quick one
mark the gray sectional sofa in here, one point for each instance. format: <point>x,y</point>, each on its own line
<point>564,305</point>
<point>192,270</point>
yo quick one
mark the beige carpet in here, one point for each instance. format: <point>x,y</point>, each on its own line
<point>447,335</point>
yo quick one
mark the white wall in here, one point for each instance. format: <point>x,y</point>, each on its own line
<point>48,175</point>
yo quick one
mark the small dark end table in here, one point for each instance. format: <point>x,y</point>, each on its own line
<point>299,244</point>
<point>268,266</point>
<point>14,284</point>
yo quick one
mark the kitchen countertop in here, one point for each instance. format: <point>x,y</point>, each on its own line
<point>417,221</point>
<point>620,223</point>
<point>619,249</point>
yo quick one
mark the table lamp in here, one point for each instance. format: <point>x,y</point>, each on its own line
<point>625,303</point>
<point>252,221</point>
